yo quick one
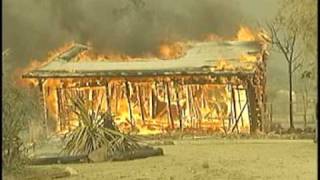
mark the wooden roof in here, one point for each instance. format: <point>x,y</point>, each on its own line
<point>200,59</point>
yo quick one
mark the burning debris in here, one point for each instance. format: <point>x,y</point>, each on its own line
<point>207,86</point>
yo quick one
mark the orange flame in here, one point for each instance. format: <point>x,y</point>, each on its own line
<point>172,50</point>
<point>160,124</point>
<point>245,34</point>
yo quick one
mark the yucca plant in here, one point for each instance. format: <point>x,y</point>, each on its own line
<point>93,133</point>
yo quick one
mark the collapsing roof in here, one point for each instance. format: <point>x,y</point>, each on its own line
<point>205,58</point>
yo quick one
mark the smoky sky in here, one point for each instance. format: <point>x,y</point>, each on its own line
<point>31,28</point>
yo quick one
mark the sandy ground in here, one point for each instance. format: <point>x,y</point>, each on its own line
<point>212,159</point>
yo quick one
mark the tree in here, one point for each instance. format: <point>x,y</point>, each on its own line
<point>301,16</point>
<point>305,96</point>
<point>286,42</point>
<point>294,33</point>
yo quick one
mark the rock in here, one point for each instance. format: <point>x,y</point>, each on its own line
<point>72,171</point>
<point>136,154</point>
<point>99,155</point>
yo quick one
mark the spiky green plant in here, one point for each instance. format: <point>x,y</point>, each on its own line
<point>91,133</point>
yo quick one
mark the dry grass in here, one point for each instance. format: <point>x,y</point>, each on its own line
<point>213,159</point>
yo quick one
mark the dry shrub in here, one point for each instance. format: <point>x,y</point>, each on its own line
<point>94,131</point>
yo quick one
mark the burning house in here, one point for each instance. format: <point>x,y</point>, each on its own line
<point>208,86</point>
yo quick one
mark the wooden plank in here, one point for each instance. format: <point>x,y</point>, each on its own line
<point>251,96</point>
<point>239,102</point>
<point>117,94</point>
<point>233,99</point>
<point>127,91</point>
<point>178,107</point>
<point>59,105</point>
<point>151,103</point>
<point>140,101</point>
<point>169,104</point>
<point>155,100</point>
<point>238,118</point>
<point>107,97</point>
<point>44,105</point>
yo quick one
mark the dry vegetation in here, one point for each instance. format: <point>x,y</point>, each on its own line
<point>206,159</point>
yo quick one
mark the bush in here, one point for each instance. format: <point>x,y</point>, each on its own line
<point>13,123</point>
<point>18,109</point>
<point>94,131</point>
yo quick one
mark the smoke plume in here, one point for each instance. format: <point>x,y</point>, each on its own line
<point>133,27</point>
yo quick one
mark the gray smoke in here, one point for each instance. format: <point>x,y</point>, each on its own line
<point>134,27</point>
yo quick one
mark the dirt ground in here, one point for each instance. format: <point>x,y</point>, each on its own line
<point>211,159</point>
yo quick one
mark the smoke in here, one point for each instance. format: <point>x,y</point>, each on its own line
<point>134,27</point>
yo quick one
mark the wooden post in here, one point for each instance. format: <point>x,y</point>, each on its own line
<point>44,105</point>
<point>152,103</point>
<point>169,104</point>
<point>251,97</point>
<point>140,101</point>
<point>127,91</point>
<point>196,104</point>
<point>178,106</point>
<point>116,93</point>
<point>231,112</point>
<point>189,103</point>
<point>59,105</point>
<point>233,98</point>
<point>107,97</point>
<point>155,100</point>
<point>238,118</point>
<point>239,101</point>
<point>203,100</point>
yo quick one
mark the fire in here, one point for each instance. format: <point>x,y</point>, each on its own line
<point>172,50</point>
<point>245,34</point>
<point>223,64</point>
<point>209,110</point>
<point>36,64</point>
<point>29,82</point>
<point>248,58</point>
<point>92,56</point>
<point>164,51</point>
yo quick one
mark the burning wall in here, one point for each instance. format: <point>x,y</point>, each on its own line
<point>206,107</point>
<point>186,85</point>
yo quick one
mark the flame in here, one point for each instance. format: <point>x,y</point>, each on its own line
<point>245,34</point>
<point>223,64</point>
<point>36,64</point>
<point>172,50</point>
<point>248,58</point>
<point>212,115</point>
<point>27,82</point>
<point>209,114</point>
